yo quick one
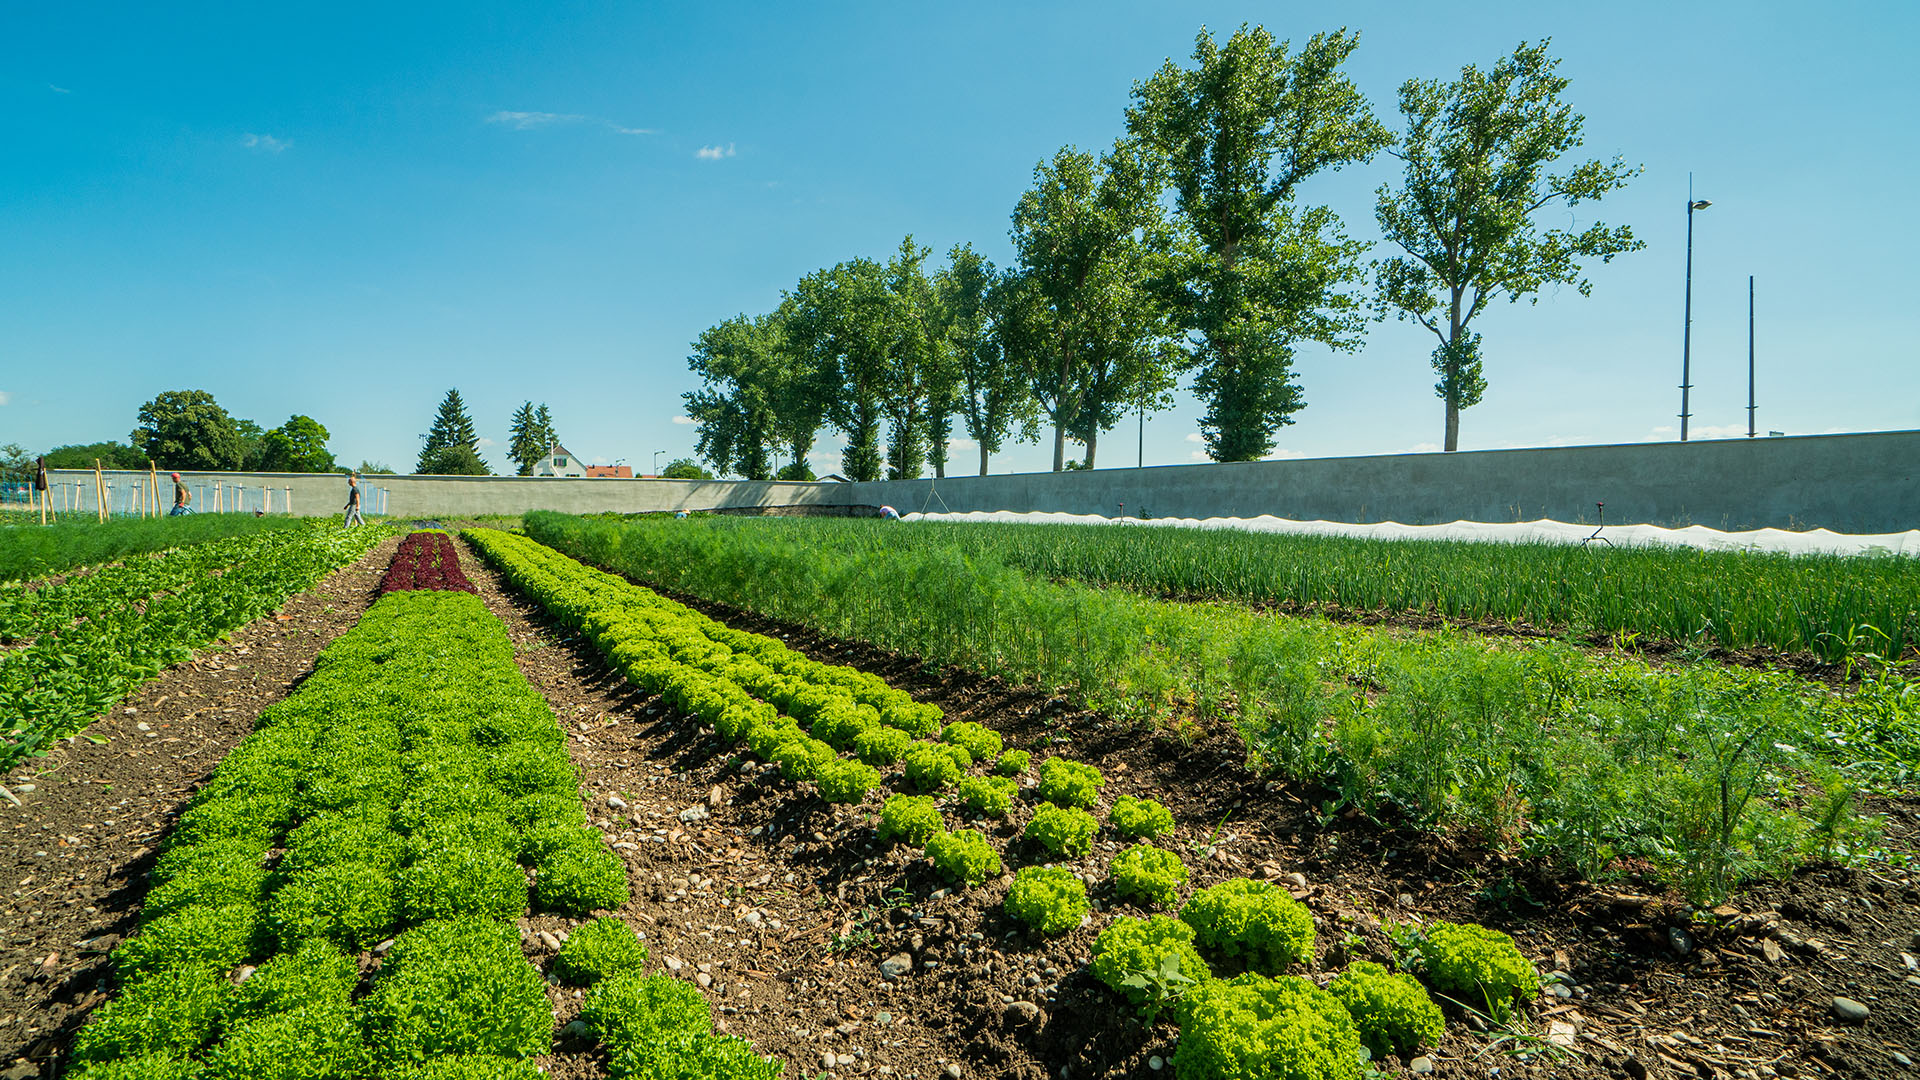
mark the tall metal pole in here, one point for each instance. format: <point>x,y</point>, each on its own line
<point>1142,463</point>
<point>1686,333</point>
<point>1750,430</point>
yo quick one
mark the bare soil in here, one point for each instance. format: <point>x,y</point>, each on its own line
<point>784,908</point>
<point>76,850</point>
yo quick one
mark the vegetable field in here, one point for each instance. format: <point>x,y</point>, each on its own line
<point>69,649</point>
<point>526,816</point>
<point>1830,606</point>
<point>1561,754</point>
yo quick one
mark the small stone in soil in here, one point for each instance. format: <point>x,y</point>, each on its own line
<point>1681,941</point>
<point>1901,1059</point>
<point>1156,1063</point>
<point>896,965</point>
<point>1849,1011</point>
<point>1421,1064</point>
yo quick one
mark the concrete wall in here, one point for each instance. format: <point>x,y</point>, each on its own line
<point>1847,483</point>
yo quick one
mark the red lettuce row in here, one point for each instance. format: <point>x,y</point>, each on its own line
<point>428,561</point>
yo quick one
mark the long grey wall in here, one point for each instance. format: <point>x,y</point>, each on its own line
<point>1847,483</point>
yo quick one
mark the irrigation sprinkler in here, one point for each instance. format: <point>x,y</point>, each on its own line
<point>1602,507</point>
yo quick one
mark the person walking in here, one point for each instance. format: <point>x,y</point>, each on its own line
<point>182,498</point>
<point>353,502</point>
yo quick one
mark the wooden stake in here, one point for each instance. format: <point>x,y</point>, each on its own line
<point>99,493</point>
<point>153,473</point>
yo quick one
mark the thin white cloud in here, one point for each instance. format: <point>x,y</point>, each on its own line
<point>58,89</point>
<point>484,443</point>
<point>1199,455</point>
<point>1195,437</point>
<point>1284,455</point>
<point>714,153</point>
<point>962,444</point>
<point>5,397</point>
<point>630,130</point>
<point>527,121</point>
<point>265,143</point>
<point>1423,448</point>
<point>684,420</point>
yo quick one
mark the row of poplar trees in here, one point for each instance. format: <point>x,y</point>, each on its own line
<point>1182,251</point>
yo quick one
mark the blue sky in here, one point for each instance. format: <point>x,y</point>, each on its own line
<point>345,210</point>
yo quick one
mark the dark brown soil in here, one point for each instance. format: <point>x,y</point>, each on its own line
<point>92,810</point>
<point>788,906</point>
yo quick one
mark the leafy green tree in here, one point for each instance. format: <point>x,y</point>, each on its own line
<point>1250,273</point>
<point>111,455</point>
<point>994,391</point>
<point>1477,153</point>
<point>187,429</point>
<point>918,386</point>
<point>685,469</point>
<point>374,468</point>
<point>450,447</point>
<point>299,445</point>
<point>15,460</point>
<point>253,444</point>
<point>842,325</point>
<point>1084,313</point>
<point>733,412</point>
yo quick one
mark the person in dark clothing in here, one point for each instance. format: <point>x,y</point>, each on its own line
<point>182,498</point>
<point>353,502</point>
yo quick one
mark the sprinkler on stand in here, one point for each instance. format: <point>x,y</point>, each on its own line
<point>1602,507</point>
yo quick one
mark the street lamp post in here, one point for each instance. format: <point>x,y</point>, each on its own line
<point>656,461</point>
<point>1686,334</point>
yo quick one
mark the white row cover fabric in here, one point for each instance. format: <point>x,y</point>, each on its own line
<point>1544,531</point>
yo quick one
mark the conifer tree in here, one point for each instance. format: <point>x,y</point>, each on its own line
<point>451,448</point>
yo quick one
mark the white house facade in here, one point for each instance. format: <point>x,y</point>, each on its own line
<point>559,461</point>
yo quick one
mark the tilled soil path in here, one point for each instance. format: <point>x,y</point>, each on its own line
<point>77,848</point>
<point>850,958</point>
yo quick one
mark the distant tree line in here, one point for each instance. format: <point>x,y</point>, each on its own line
<point>1183,251</point>
<point>187,429</point>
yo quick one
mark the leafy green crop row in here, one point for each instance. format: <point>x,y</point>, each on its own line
<point>95,637</point>
<point>788,709</point>
<point>1538,746</point>
<point>31,551</point>
<point>1831,605</point>
<point>403,788</point>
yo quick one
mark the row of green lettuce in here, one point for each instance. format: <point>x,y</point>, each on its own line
<point>33,550</point>
<point>1708,774</point>
<point>81,645</point>
<point>1261,1022</point>
<point>392,807</point>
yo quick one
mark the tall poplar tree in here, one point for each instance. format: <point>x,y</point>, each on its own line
<point>843,325</point>
<point>450,447</point>
<point>1083,309</point>
<point>1477,153</point>
<point>993,391</point>
<point>1251,274</point>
